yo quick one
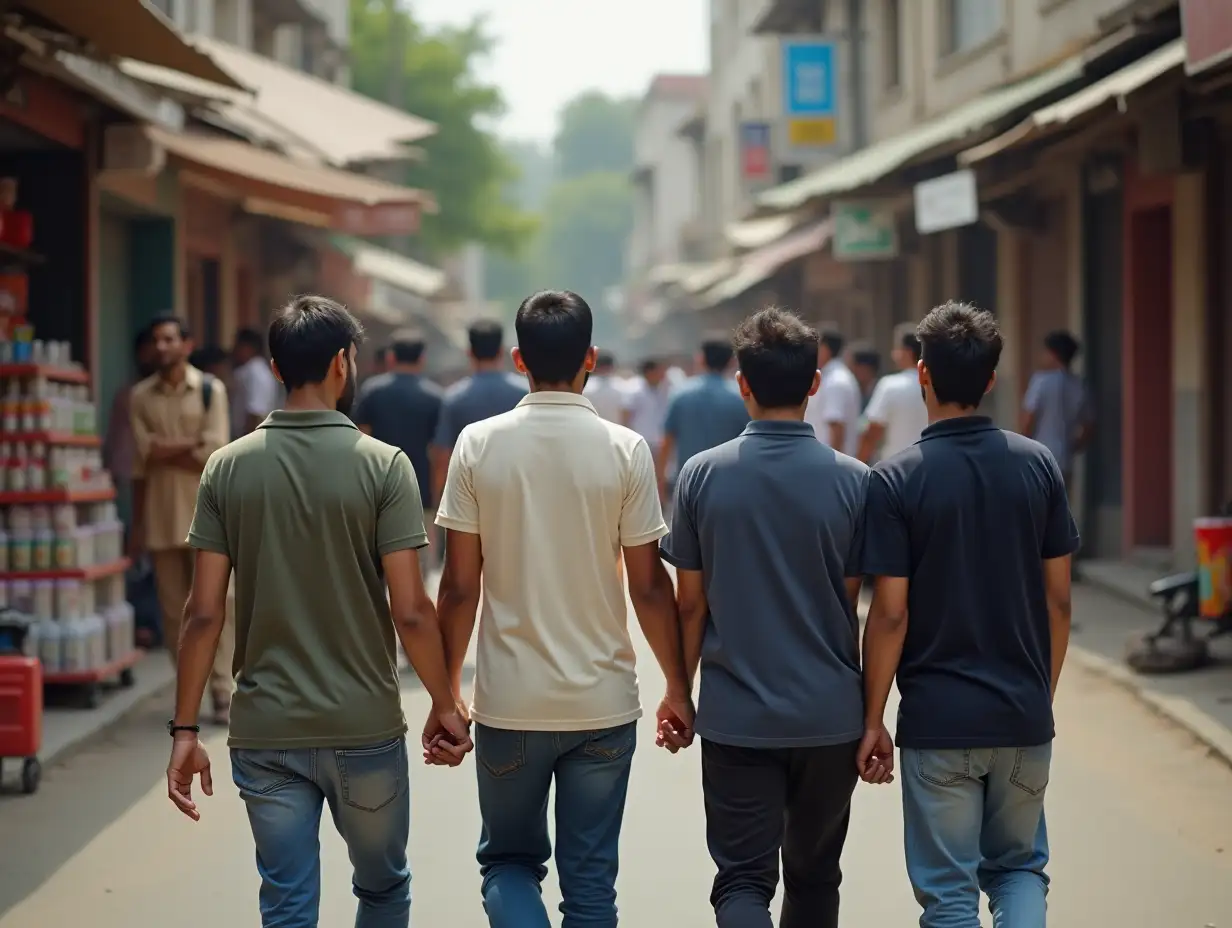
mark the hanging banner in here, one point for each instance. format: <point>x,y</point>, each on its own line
<point>755,162</point>
<point>809,91</point>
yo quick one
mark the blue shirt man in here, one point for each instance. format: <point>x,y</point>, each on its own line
<point>704,412</point>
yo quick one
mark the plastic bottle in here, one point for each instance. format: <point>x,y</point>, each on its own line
<point>51,646</point>
<point>41,551</point>
<point>45,599</point>
<point>36,469</point>
<point>21,544</point>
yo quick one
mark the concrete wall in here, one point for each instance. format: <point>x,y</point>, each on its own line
<point>668,198</point>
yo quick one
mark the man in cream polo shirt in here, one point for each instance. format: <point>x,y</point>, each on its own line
<point>539,504</point>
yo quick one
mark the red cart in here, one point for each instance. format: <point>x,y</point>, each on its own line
<point>21,704</point>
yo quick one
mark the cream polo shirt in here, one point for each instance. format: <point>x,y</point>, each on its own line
<point>554,492</point>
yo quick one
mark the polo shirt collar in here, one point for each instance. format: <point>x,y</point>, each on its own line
<point>556,398</point>
<point>779,427</point>
<point>305,419</point>
<point>961,425</point>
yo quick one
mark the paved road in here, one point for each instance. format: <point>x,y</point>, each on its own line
<point>1140,817</point>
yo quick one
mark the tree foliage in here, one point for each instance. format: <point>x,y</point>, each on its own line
<point>595,134</point>
<point>465,167</point>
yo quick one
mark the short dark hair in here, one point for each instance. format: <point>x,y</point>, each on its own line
<point>777,352</point>
<point>208,357</point>
<point>905,337</point>
<point>605,358</point>
<point>252,338</point>
<point>716,351</point>
<point>866,354</point>
<point>305,336</point>
<point>1063,345</point>
<point>144,337</point>
<point>168,319</point>
<point>961,346</point>
<point>554,329</point>
<point>487,338</point>
<point>407,346</point>
<point>829,335</point>
<point>648,365</point>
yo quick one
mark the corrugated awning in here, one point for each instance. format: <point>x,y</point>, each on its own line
<point>756,233</point>
<point>704,276</point>
<point>311,194</point>
<point>761,264</point>
<point>870,164</point>
<point>398,271</point>
<point>1113,89</point>
<point>130,29</point>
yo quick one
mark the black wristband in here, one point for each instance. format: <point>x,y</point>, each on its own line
<point>172,728</point>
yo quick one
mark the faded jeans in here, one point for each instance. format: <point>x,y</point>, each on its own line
<point>367,789</point>
<point>974,820</point>
<point>516,770</point>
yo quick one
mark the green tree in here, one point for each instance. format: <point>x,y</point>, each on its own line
<point>431,73</point>
<point>586,224</point>
<point>595,134</point>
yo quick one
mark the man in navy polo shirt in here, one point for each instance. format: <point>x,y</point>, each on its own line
<point>767,541</point>
<point>969,536</point>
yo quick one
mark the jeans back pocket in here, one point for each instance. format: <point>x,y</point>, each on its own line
<point>373,776</point>
<point>258,772</point>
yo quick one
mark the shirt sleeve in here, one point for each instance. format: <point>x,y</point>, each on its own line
<point>459,507</point>
<point>1035,389</point>
<point>208,531</point>
<point>887,541</point>
<point>832,402</point>
<point>1061,536</point>
<point>641,514</point>
<point>682,546</point>
<point>216,431</point>
<point>671,422</point>
<point>399,515</point>
<point>854,564</point>
<point>142,436</point>
<point>877,410</point>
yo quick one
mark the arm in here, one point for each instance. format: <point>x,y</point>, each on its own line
<point>693,608</point>
<point>1057,579</point>
<point>415,621</point>
<point>874,431</point>
<point>204,613</point>
<point>441,449</point>
<point>666,449</point>
<point>457,599</point>
<point>884,634</point>
<point>150,451</point>
<point>838,435</point>
<point>1030,407</point>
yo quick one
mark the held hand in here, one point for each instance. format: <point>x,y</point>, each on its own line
<point>875,758</point>
<point>188,759</point>
<point>446,736</point>
<point>675,722</point>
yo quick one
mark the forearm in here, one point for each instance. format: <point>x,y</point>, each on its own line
<point>661,457</point>
<point>440,472</point>
<point>420,635</point>
<point>1059,617</point>
<point>660,623</point>
<point>870,441</point>
<point>883,649</point>
<point>838,436</point>
<point>189,461</point>
<point>692,633</point>
<point>455,610</point>
<point>199,635</point>
<point>164,452</point>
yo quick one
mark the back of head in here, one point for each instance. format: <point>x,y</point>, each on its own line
<point>830,336</point>
<point>605,362</point>
<point>961,346</point>
<point>306,335</point>
<point>777,353</point>
<point>865,355</point>
<point>649,366</point>
<point>905,337</point>
<point>1063,346</point>
<point>250,339</point>
<point>209,358</point>
<point>717,351</point>
<point>407,346</point>
<point>554,328</point>
<point>486,338</point>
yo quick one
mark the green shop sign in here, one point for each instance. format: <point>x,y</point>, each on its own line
<point>864,232</point>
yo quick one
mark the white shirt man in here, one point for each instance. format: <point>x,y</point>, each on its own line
<point>255,393</point>
<point>896,414</point>
<point>646,404</point>
<point>606,390</point>
<point>837,402</point>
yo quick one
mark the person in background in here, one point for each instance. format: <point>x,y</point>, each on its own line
<point>255,391</point>
<point>1055,409</point>
<point>703,412</point>
<point>179,418</point>
<point>403,408</point>
<point>605,389</point>
<point>214,361</point>
<point>118,448</point>
<point>556,696</point>
<point>767,545</point>
<point>646,404</point>
<point>489,391</point>
<point>834,411</point>
<point>317,521</point>
<point>865,365</point>
<point>970,537</point>
<point>896,414</point>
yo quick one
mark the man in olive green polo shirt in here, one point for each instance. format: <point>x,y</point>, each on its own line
<point>316,518</point>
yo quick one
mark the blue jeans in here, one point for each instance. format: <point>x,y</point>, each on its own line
<point>974,820</point>
<point>368,793</point>
<point>515,770</point>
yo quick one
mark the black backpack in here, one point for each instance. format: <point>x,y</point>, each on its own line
<point>207,391</point>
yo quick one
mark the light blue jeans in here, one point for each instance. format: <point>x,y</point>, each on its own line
<point>368,793</point>
<point>974,820</point>
<point>516,770</point>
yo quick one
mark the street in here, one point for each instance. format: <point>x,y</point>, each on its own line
<point>1139,815</point>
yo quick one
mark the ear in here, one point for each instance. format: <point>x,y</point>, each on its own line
<point>743,384</point>
<point>277,373</point>
<point>340,365</point>
<point>816,383</point>
<point>992,382</point>
<point>592,357</point>
<point>518,364</point>
<point>922,373</point>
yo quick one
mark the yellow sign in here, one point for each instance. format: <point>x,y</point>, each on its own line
<point>812,132</point>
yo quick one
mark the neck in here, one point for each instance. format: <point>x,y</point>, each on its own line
<point>710,371</point>
<point>785,414</point>
<point>575,386</point>
<point>484,367</point>
<point>404,368</point>
<point>175,374</point>
<point>946,411</point>
<point>311,397</point>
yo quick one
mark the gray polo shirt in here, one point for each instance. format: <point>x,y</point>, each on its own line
<point>706,411</point>
<point>774,520</point>
<point>478,397</point>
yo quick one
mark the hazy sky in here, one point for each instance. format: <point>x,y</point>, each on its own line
<point>551,50</point>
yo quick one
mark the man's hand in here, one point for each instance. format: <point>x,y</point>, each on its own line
<point>675,722</point>
<point>188,759</point>
<point>446,736</point>
<point>875,758</point>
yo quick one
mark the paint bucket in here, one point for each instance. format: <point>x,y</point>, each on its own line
<point>1213,539</point>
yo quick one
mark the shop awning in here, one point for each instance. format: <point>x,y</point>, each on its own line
<point>704,276</point>
<point>343,126</point>
<point>1112,90</point>
<point>307,193</point>
<point>756,233</point>
<point>876,161</point>
<point>129,29</point>
<point>398,271</point>
<point>758,266</point>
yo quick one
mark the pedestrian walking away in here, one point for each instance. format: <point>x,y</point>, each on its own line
<point>705,411</point>
<point>489,391</point>
<point>1056,409</point>
<point>255,390</point>
<point>605,389</point>
<point>896,414</point>
<point>970,537</point>
<point>179,418</point>
<point>316,519</point>
<point>539,504</point>
<point>770,524</point>
<point>646,403</point>
<point>834,410</point>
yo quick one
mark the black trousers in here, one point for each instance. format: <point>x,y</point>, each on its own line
<point>763,802</point>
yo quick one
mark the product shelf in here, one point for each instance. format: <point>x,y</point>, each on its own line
<point>94,572</point>
<point>61,439</point>
<point>120,670</point>
<point>51,497</point>
<point>57,374</point>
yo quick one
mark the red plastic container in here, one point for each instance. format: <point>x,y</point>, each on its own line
<point>1213,539</point>
<point>21,706</point>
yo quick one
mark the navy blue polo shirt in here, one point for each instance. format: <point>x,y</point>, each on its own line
<point>968,514</point>
<point>481,396</point>
<point>402,410</point>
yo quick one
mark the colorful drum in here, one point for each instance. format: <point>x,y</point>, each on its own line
<point>1213,539</point>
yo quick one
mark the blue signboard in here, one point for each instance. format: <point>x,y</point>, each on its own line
<point>808,78</point>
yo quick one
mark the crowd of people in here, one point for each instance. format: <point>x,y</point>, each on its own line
<point>290,565</point>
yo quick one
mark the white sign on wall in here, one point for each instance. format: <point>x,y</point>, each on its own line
<point>946,202</point>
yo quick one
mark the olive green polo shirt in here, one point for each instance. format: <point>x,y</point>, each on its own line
<point>305,507</point>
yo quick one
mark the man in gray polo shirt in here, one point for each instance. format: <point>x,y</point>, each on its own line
<point>767,543</point>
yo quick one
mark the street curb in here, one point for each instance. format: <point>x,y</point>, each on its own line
<point>1179,711</point>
